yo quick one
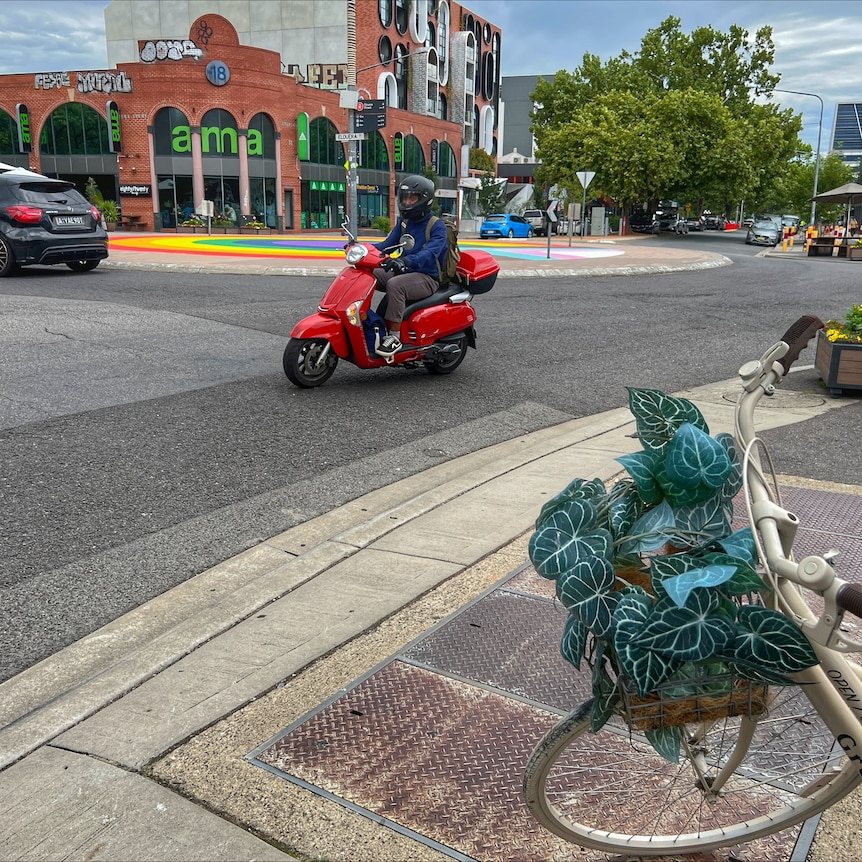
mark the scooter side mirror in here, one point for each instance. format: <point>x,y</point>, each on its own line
<point>407,242</point>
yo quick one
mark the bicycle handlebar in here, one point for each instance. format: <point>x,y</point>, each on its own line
<point>775,525</point>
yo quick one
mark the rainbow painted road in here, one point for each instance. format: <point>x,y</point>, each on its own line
<point>331,247</point>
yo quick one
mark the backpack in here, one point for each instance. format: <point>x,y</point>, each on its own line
<point>449,271</point>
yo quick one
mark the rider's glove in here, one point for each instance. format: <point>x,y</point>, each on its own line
<point>396,265</point>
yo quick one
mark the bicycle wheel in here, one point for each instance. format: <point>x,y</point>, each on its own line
<point>611,791</point>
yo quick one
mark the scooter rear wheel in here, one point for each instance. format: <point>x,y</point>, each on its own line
<point>302,363</point>
<point>446,363</point>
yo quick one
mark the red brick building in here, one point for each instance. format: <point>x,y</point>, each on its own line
<point>207,118</point>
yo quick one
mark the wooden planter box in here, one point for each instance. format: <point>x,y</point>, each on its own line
<point>839,365</point>
<point>257,230</point>
<point>854,253</point>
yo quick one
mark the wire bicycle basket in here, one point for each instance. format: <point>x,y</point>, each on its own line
<point>703,697</point>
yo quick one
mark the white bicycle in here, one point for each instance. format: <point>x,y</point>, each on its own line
<point>742,777</point>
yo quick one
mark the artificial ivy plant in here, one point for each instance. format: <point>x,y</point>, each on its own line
<point>658,588</point>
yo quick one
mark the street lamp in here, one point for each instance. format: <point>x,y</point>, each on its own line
<point>817,160</point>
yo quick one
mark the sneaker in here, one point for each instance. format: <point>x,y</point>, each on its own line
<point>389,346</point>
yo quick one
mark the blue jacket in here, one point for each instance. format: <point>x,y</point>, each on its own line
<point>428,257</point>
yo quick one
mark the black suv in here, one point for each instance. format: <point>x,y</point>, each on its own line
<point>45,221</point>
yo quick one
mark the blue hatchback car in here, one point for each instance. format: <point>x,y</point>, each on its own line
<point>504,224</point>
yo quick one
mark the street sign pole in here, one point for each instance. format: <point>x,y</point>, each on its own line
<point>585,177</point>
<point>352,156</point>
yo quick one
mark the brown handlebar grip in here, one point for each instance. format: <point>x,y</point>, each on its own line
<point>849,598</point>
<point>798,337</point>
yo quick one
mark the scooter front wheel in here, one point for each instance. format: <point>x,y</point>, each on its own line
<point>308,362</point>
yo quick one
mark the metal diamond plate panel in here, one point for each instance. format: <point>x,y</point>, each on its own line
<point>510,642</point>
<point>435,755</point>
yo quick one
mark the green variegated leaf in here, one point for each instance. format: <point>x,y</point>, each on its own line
<point>733,483</point>
<point>694,458</point>
<point>658,415</point>
<point>641,466</point>
<point>758,674</point>
<point>692,633</point>
<point>565,537</point>
<point>630,615</point>
<point>745,579</point>
<point>740,544</point>
<point>679,588</point>
<point>607,695</point>
<point>587,592</point>
<point>707,520</point>
<point>579,489</point>
<point>646,669</point>
<point>624,507</point>
<point>768,640</point>
<point>666,742</point>
<point>650,531</point>
<point>574,641</point>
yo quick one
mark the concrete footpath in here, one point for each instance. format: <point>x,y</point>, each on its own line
<point>133,743</point>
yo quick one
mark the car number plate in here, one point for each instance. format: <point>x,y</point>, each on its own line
<point>69,220</point>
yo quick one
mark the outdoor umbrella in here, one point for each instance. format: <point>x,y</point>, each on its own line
<point>849,193</point>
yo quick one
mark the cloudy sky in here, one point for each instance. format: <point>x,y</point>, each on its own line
<point>817,42</point>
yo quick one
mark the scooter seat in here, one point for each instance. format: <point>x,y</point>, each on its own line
<point>441,295</point>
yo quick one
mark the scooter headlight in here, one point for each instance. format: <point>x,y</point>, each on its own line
<point>356,252</point>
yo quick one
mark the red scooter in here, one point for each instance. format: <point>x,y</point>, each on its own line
<point>435,333</point>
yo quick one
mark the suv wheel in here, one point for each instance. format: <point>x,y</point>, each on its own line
<point>7,259</point>
<point>82,265</point>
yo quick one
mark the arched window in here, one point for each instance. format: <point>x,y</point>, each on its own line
<point>431,38</point>
<point>448,167</point>
<point>171,133</point>
<point>220,147</point>
<point>384,50</point>
<point>172,144</point>
<point>475,143</point>
<point>261,137</point>
<point>443,42</point>
<point>8,134</point>
<point>401,70</point>
<point>74,129</point>
<point>384,10</point>
<point>322,146</point>
<point>414,157</point>
<point>374,154</point>
<point>442,107</point>
<point>402,16</point>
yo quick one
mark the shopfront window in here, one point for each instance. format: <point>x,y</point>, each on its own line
<point>323,204</point>
<point>175,199</point>
<point>262,196</point>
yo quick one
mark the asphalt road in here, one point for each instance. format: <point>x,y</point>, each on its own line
<point>147,431</point>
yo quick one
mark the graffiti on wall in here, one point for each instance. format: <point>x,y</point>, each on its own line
<point>169,49</point>
<point>50,80</point>
<point>104,82</point>
<point>324,76</point>
<point>86,82</point>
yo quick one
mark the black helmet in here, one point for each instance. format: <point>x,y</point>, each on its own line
<point>415,185</point>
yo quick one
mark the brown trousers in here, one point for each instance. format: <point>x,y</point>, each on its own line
<point>401,289</point>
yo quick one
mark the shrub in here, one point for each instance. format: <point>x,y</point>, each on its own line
<point>382,224</point>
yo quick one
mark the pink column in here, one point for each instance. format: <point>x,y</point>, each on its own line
<point>197,166</point>
<point>244,194</point>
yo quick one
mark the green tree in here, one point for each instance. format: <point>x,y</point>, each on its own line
<point>675,120</point>
<point>491,194</point>
<point>481,161</point>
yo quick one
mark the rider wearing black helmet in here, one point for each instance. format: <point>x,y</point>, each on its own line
<point>413,275</point>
